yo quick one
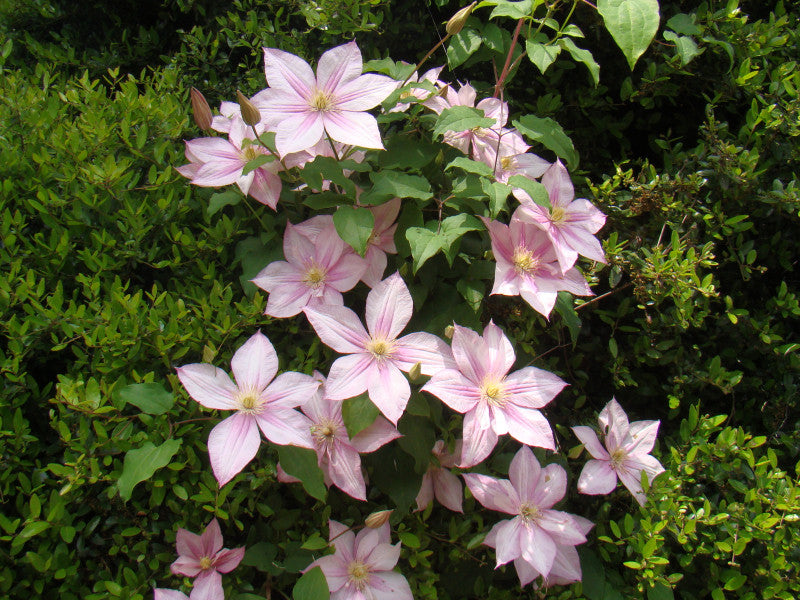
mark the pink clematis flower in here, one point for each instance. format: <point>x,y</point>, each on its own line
<point>536,532</point>
<point>625,455</point>
<point>215,162</point>
<point>419,93</point>
<point>527,265</point>
<point>303,107</point>
<point>440,482</point>
<point>315,272</point>
<point>569,223</point>
<point>361,568</point>
<point>204,558</point>
<point>376,358</point>
<point>493,401</point>
<point>337,453</point>
<point>381,242</point>
<point>165,594</point>
<point>259,402</point>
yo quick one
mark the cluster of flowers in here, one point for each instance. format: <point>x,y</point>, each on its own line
<point>323,114</point>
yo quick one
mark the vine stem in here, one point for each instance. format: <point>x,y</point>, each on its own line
<point>507,67</point>
<point>601,296</point>
<point>426,57</point>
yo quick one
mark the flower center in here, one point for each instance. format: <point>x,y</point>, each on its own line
<point>558,215</point>
<point>324,432</point>
<point>508,163</point>
<point>250,152</point>
<point>314,277</point>
<point>617,458</point>
<point>524,260</point>
<point>380,349</point>
<point>205,563</point>
<point>321,101</point>
<point>249,402</point>
<point>529,513</point>
<point>358,573</point>
<point>493,392</point>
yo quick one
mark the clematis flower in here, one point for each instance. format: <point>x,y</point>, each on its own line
<point>376,358</point>
<point>203,557</point>
<point>536,532</point>
<point>625,456</point>
<point>440,482</point>
<point>361,567</point>
<point>569,223</point>
<point>337,453</point>
<point>215,162</point>
<point>165,594</point>
<point>420,93</point>
<point>493,401</point>
<point>314,273</point>
<point>381,241</point>
<point>259,402</point>
<point>303,107</point>
<point>527,265</point>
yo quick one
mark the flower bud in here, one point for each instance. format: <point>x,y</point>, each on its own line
<point>448,332</point>
<point>456,22</point>
<point>414,372</point>
<point>377,519</point>
<point>250,114</point>
<point>201,110</point>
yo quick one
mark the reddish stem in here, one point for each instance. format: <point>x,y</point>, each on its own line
<point>507,66</point>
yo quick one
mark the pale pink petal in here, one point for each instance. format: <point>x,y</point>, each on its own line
<point>381,432</point>
<point>455,390</point>
<point>344,469</point>
<point>338,327</point>
<point>586,214</point>
<point>290,390</point>
<point>540,549</point>
<point>494,108</point>
<point>287,302</point>
<point>523,472</point>
<point>529,426</point>
<point>279,275</point>
<point>364,93</point>
<point>376,265</point>
<point>469,351</point>
<point>227,560</point>
<point>558,184</point>
<point>211,539</point>
<point>383,557</point>
<point>507,539</point>
<point>389,308</point>
<point>478,441</point>
<point>541,302</point>
<point>208,586</point>
<point>531,165</point>
<point>425,494</point>
<point>525,571</point>
<point>552,486</point>
<point>389,390</point>
<point>164,594</point>
<point>431,352</point>
<point>208,385</point>
<point>187,565</point>
<point>189,545</point>
<point>285,427</point>
<point>589,439</point>
<point>561,527</point>
<point>231,445</point>
<point>388,585</point>
<point>347,272</point>
<point>494,494</point>
<point>338,66</point>
<point>566,566</point>
<point>500,357</point>
<point>288,73</point>
<point>353,128</point>
<point>334,569</point>
<point>255,363</point>
<point>299,132</point>
<point>349,376</point>
<point>298,247</point>
<point>385,215</point>
<point>448,490</point>
<point>266,188</point>
<point>532,387</point>
<point>583,242</point>
<point>597,477</point>
<point>643,437</point>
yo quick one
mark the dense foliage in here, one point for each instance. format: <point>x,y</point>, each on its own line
<point>116,271</point>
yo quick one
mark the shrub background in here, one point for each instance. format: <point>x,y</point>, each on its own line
<point>114,272</point>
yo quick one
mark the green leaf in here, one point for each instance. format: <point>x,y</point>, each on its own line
<point>470,166</point>
<point>140,464</point>
<point>460,118</point>
<point>462,46</point>
<point>472,291</point>
<point>328,168</point>
<point>358,413</point>
<point>541,55</point>
<point>354,225</point>
<point>258,161</point>
<point>684,24</point>
<point>254,254</point>
<point>405,152</point>
<point>660,592</point>
<point>311,586</point>
<point>594,574</point>
<point>418,439</point>
<point>632,24</point>
<point>550,134</point>
<point>534,189</point>
<point>686,49</point>
<point>150,398</point>
<point>735,582</point>
<point>33,529</point>
<point>582,56</point>
<point>566,308</point>
<point>393,184</point>
<point>394,474</point>
<point>498,194</point>
<point>302,463</point>
<point>515,10</point>
<point>220,199</point>
<point>427,241</point>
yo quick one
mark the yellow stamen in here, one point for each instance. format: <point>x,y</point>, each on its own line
<point>529,512</point>
<point>508,163</point>
<point>314,277</point>
<point>617,458</point>
<point>205,563</point>
<point>558,215</point>
<point>493,392</point>
<point>524,260</point>
<point>250,152</point>
<point>358,573</point>
<point>324,432</point>
<point>321,101</point>
<point>249,401</point>
<point>380,349</point>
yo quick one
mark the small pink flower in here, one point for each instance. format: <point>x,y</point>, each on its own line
<point>204,558</point>
<point>535,534</point>
<point>303,107</point>
<point>569,223</point>
<point>625,455</point>
<point>440,482</point>
<point>376,358</point>
<point>494,401</point>
<point>362,566</point>
<point>381,242</point>
<point>259,402</point>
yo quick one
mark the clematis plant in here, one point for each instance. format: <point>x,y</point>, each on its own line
<point>440,482</point>
<point>626,454</point>
<point>259,402</point>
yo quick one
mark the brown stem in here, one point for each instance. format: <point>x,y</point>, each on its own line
<point>426,57</point>
<point>601,296</point>
<point>507,66</point>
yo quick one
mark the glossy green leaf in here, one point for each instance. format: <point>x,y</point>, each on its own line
<point>550,134</point>
<point>311,586</point>
<point>354,225</point>
<point>358,413</point>
<point>632,24</point>
<point>302,463</point>
<point>460,118</point>
<point>150,398</point>
<point>140,464</point>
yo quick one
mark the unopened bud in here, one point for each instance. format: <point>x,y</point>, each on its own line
<point>377,519</point>
<point>250,114</point>
<point>414,372</point>
<point>448,332</point>
<point>201,110</point>
<point>456,22</point>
